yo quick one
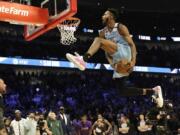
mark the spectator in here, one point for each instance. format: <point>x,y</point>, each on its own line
<point>143,128</point>
<point>65,120</point>
<point>31,124</point>
<point>18,124</point>
<point>178,132</point>
<point>84,126</point>
<point>101,126</point>
<point>2,91</point>
<point>9,129</point>
<point>114,128</point>
<point>54,125</point>
<point>124,126</point>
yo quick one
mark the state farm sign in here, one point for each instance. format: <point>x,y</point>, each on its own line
<point>23,14</point>
<point>13,11</point>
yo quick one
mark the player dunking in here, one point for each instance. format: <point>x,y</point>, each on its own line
<point>120,51</point>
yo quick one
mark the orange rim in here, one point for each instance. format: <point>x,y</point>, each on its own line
<point>71,19</point>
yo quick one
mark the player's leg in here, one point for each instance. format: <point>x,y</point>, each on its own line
<point>123,90</point>
<point>107,45</point>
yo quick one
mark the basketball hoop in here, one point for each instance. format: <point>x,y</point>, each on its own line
<point>67,29</point>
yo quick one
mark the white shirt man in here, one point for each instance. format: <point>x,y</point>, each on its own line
<point>31,125</point>
<point>19,124</point>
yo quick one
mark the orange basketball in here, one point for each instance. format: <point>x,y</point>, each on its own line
<point>123,66</point>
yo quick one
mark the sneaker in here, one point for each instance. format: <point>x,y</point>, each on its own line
<point>158,97</point>
<point>77,60</point>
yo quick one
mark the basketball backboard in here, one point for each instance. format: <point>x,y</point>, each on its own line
<point>59,10</point>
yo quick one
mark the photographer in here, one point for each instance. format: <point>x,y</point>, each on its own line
<point>161,127</point>
<point>42,126</point>
<point>173,123</point>
<point>160,118</point>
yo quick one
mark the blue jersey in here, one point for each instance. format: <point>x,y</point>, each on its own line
<point>123,48</point>
<point>114,35</point>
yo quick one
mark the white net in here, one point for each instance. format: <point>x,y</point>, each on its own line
<point>67,29</point>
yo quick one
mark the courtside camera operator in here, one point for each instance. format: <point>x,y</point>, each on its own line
<point>163,119</point>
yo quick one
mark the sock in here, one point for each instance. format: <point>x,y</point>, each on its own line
<point>149,91</point>
<point>86,57</point>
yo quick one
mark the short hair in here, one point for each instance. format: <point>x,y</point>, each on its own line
<point>17,111</point>
<point>114,12</point>
<point>61,108</point>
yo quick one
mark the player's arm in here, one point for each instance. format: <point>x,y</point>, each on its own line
<point>102,33</point>
<point>123,30</point>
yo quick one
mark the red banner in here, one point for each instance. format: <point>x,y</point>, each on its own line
<point>23,14</point>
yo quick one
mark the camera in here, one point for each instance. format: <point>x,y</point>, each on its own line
<point>40,123</point>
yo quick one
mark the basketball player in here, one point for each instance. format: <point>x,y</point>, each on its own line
<point>120,52</point>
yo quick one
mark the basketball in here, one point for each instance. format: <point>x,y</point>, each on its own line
<point>123,66</point>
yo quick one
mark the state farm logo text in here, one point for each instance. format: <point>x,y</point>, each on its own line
<point>14,11</point>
